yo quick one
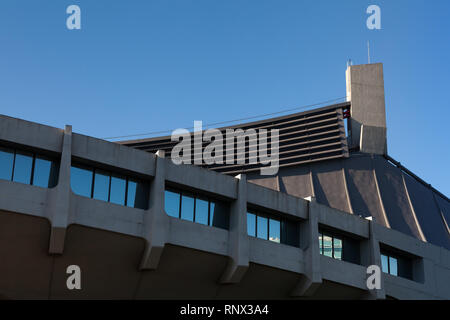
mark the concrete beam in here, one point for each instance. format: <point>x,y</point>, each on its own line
<point>238,242</point>
<point>156,222</point>
<point>58,208</point>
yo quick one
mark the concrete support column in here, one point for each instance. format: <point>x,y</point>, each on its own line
<point>156,222</point>
<point>309,234</point>
<point>373,257</point>
<point>58,209</point>
<point>238,241</point>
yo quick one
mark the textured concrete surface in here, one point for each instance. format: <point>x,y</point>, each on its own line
<point>131,253</point>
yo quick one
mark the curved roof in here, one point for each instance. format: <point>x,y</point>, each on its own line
<point>315,161</point>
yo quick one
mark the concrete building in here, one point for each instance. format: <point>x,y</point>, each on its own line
<point>141,227</point>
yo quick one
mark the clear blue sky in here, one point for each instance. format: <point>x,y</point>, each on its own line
<point>143,66</point>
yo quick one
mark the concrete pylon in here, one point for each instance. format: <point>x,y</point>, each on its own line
<point>238,247</point>
<point>367,125</point>
<point>156,222</point>
<point>58,209</point>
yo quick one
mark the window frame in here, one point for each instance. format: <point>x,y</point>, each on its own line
<point>109,174</point>
<point>33,155</point>
<point>389,257</point>
<point>195,196</point>
<point>322,235</point>
<point>269,217</point>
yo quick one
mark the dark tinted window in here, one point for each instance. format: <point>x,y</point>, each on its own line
<point>42,172</point>
<point>269,227</point>
<point>196,208</point>
<point>330,246</point>
<point>101,185</point>
<point>274,230</point>
<point>261,227</point>
<point>172,204</point>
<point>81,181</point>
<point>251,224</point>
<point>131,193</point>
<point>23,164</point>
<point>187,207</point>
<point>201,211</point>
<point>6,163</point>
<point>118,188</point>
<point>28,168</point>
<point>107,186</point>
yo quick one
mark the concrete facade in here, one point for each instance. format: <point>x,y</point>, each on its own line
<point>132,253</point>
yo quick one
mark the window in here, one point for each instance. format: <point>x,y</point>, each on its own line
<point>106,186</point>
<point>271,228</point>
<point>118,188</point>
<point>389,264</point>
<point>196,208</point>
<point>28,168</point>
<point>330,246</point>
<point>251,224</point>
<point>6,163</point>
<point>262,228</point>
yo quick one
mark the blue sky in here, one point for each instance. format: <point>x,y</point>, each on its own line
<point>144,66</point>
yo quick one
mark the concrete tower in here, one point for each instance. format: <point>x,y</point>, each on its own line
<point>365,90</point>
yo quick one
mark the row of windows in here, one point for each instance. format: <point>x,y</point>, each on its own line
<point>107,186</point>
<point>263,227</point>
<point>389,264</point>
<point>27,167</point>
<point>330,246</point>
<point>196,208</point>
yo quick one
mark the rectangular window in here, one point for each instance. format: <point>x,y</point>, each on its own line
<point>251,224</point>
<point>131,193</point>
<point>261,228</point>
<point>212,208</point>
<point>320,243</point>
<point>172,203</point>
<point>274,230</point>
<point>118,187</point>
<point>393,266</point>
<point>101,185</point>
<point>384,263</point>
<point>330,246</point>
<point>389,264</point>
<point>42,172</point>
<point>187,207</point>
<point>106,186</point>
<point>23,165</point>
<point>327,246</point>
<point>201,211</point>
<point>337,248</point>
<point>81,181</point>
<point>28,168</point>
<point>268,227</point>
<point>196,208</point>
<point>6,163</point>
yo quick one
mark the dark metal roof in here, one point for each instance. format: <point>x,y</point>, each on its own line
<point>304,137</point>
